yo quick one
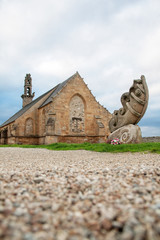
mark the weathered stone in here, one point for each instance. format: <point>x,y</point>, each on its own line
<point>38,179</point>
<point>127,134</point>
<point>106,224</point>
<point>134,105</point>
<point>66,113</point>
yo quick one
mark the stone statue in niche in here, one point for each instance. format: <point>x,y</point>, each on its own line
<point>134,104</point>
<point>77,115</point>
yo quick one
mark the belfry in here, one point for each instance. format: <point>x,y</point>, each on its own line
<point>28,95</point>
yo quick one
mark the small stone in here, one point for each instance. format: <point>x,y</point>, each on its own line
<point>62,235</point>
<point>156,206</point>
<point>2,197</point>
<point>157,228</point>
<point>117,225</point>
<point>140,232</point>
<point>111,213</point>
<point>55,207</point>
<point>157,211</point>
<point>20,212</point>
<point>41,235</point>
<point>28,236</point>
<point>139,201</point>
<point>93,225</point>
<point>127,235</point>
<point>2,209</point>
<point>38,179</point>
<point>106,224</point>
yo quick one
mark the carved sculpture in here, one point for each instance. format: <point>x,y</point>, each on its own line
<point>77,115</point>
<point>134,105</point>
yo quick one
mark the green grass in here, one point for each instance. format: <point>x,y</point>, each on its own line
<point>97,147</point>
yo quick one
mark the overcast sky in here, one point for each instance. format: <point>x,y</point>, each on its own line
<point>109,42</point>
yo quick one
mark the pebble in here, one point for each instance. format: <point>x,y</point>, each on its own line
<point>75,195</point>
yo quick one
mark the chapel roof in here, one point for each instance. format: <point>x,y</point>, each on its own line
<point>54,91</point>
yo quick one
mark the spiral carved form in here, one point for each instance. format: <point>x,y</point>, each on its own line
<point>125,136</point>
<point>134,105</point>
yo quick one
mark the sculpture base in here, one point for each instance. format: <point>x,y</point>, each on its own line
<point>127,134</point>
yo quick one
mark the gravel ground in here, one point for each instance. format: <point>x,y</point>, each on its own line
<point>74,195</point>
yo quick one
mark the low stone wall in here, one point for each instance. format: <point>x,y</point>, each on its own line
<point>81,139</point>
<point>151,139</point>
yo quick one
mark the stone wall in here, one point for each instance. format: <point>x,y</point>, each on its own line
<point>151,139</point>
<point>78,117</point>
<point>77,106</point>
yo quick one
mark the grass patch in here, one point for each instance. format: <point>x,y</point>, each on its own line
<point>97,147</point>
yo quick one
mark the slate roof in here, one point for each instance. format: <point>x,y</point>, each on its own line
<point>59,87</point>
<point>53,91</point>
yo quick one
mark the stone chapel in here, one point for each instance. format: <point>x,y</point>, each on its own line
<point>66,113</point>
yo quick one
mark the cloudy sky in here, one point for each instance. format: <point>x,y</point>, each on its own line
<point>109,42</point>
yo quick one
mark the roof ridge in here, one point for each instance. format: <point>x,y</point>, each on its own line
<point>49,95</point>
<point>54,91</point>
<point>24,109</point>
<point>60,86</point>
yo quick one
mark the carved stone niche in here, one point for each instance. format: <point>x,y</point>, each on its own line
<point>29,129</point>
<point>50,126</point>
<point>77,117</point>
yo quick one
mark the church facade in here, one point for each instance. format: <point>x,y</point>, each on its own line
<point>66,113</point>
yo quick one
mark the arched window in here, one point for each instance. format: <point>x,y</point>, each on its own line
<point>77,115</point>
<point>29,126</point>
<point>28,91</point>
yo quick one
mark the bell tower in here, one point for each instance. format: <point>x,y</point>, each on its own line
<point>28,95</point>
